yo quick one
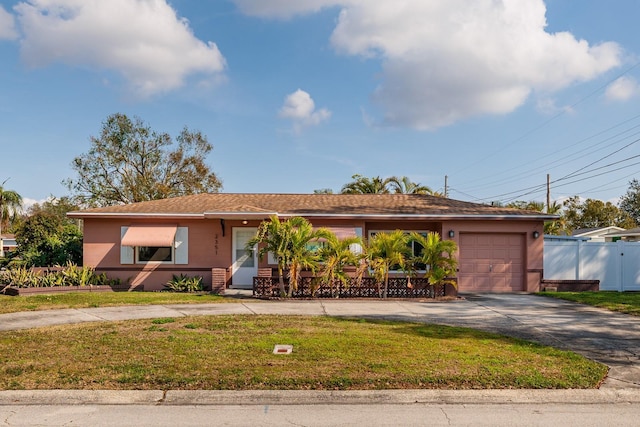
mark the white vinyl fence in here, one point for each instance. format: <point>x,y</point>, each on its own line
<point>615,264</point>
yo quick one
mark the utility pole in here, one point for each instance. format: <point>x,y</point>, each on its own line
<point>548,192</point>
<point>446,187</point>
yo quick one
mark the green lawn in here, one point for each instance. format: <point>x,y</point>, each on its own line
<point>623,302</point>
<point>101,299</point>
<point>236,352</point>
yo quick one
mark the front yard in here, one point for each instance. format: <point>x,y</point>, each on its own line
<point>236,352</point>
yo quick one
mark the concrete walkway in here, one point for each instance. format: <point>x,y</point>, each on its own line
<point>610,338</point>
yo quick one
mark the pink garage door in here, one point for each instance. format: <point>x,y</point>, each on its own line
<point>491,262</point>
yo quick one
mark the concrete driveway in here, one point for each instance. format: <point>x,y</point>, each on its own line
<point>610,338</point>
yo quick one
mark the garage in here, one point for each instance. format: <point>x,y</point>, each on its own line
<point>491,262</point>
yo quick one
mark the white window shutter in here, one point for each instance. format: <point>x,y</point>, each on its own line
<point>182,245</point>
<point>126,252</point>
<point>271,259</point>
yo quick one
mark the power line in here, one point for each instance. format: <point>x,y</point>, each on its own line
<point>575,173</point>
<point>547,167</point>
<point>581,171</point>
<point>580,180</point>
<point>560,114</point>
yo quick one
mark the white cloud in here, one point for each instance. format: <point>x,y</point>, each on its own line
<point>300,108</point>
<point>143,40</point>
<point>622,89</point>
<point>7,25</point>
<point>549,107</point>
<point>447,61</point>
<point>283,8</point>
<point>27,202</point>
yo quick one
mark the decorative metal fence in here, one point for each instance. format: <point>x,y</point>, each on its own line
<point>368,287</point>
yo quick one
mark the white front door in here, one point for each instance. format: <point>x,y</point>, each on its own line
<point>245,263</point>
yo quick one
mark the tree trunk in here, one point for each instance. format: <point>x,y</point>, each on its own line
<point>386,284</point>
<point>281,281</point>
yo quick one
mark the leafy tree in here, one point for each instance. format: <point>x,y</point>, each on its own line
<point>58,207</point>
<point>10,205</point>
<point>384,251</point>
<point>338,254</point>
<point>44,239</point>
<point>594,213</point>
<point>630,202</point>
<point>437,256</point>
<point>130,163</point>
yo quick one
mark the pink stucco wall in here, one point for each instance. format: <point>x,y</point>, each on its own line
<point>534,248</point>
<point>209,248</point>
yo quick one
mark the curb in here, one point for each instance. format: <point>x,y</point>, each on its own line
<point>314,397</point>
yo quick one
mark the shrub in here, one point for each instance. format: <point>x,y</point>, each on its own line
<point>77,276</point>
<point>184,283</point>
<point>20,277</point>
<point>102,279</point>
<point>70,275</point>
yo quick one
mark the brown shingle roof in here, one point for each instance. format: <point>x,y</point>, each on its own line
<point>219,205</point>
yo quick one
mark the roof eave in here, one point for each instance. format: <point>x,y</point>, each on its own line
<point>448,217</point>
<point>134,215</point>
<point>238,215</point>
<point>263,215</point>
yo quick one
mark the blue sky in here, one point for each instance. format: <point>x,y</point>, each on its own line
<point>301,95</point>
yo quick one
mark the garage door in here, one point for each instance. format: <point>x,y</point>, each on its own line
<point>491,262</point>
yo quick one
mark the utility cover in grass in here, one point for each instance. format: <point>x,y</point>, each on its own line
<point>282,349</point>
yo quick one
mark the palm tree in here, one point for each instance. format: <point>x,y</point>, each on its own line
<point>404,185</point>
<point>437,256</point>
<point>335,255</point>
<point>530,205</point>
<point>288,241</point>
<point>302,255</point>
<point>10,205</point>
<point>559,225</point>
<point>364,185</point>
<point>384,251</point>
<point>273,235</point>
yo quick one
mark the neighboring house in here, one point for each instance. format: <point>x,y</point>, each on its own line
<point>632,235</point>
<point>500,249</point>
<point>8,244</point>
<point>599,234</point>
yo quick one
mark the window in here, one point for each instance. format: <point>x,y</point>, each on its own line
<point>340,232</point>
<point>147,244</point>
<point>146,254</point>
<point>415,248</point>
